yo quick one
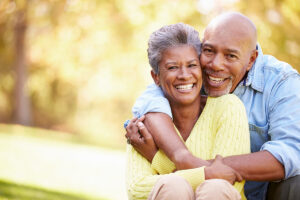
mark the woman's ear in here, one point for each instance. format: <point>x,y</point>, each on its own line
<point>155,77</point>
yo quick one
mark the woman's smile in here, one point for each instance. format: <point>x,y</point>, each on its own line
<point>185,88</point>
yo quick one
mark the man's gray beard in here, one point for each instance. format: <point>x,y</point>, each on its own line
<point>218,93</point>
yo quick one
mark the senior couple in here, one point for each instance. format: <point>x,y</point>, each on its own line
<point>192,140</point>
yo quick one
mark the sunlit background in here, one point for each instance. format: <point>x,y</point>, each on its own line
<point>75,67</point>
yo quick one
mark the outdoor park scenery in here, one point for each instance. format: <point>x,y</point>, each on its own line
<point>70,71</point>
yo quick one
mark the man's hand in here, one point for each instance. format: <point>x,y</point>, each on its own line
<point>221,171</point>
<point>139,137</point>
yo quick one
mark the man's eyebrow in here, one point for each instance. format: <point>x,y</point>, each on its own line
<point>206,45</point>
<point>192,60</point>
<point>232,51</point>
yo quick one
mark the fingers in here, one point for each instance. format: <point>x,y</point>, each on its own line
<point>239,178</point>
<point>136,140</point>
<point>144,131</point>
<point>142,118</point>
<point>134,120</point>
<point>131,128</point>
<point>132,131</point>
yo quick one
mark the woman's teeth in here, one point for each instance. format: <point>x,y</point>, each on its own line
<point>184,87</point>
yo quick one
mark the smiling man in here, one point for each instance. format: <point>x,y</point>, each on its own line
<point>226,57</point>
<point>232,62</point>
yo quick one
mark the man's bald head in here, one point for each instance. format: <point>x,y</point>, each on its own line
<point>234,23</point>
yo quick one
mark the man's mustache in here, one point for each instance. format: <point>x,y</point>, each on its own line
<point>218,74</point>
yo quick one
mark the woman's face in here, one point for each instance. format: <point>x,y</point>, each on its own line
<point>180,75</point>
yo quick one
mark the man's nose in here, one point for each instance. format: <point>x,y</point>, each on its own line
<point>218,63</point>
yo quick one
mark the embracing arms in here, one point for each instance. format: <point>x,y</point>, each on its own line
<point>259,166</point>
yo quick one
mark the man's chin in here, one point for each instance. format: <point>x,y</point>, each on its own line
<point>216,93</point>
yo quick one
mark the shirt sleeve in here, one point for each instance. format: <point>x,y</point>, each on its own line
<point>152,100</point>
<point>284,124</point>
<point>162,164</point>
<point>140,178</point>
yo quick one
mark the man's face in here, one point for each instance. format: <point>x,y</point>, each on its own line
<point>225,59</point>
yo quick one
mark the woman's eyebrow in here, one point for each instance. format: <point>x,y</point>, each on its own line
<point>171,62</point>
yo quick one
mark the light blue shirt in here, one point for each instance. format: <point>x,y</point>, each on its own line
<point>271,95</point>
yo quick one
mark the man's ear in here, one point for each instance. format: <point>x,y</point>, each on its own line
<point>253,57</point>
<point>155,77</point>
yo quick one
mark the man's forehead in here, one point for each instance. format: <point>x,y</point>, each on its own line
<point>226,39</point>
<point>223,47</point>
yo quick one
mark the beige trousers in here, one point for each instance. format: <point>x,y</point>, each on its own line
<point>172,187</point>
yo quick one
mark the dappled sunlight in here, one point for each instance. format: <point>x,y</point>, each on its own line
<point>84,64</point>
<point>64,167</point>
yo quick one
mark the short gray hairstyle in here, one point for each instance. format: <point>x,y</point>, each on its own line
<point>171,36</point>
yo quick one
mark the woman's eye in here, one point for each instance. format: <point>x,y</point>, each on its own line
<point>172,67</point>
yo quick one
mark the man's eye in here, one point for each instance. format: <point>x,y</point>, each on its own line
<point>231,56</point>
<point>192,65</point>
<point>206,50</point>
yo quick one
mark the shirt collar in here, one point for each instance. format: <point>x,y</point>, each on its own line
<point>255,77</point>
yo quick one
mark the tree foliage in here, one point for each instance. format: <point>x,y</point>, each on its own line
<point>87,60</point>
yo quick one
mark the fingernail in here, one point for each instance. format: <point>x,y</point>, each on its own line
<point>140,124</point>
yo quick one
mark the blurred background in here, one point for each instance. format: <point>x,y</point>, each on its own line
<point>70,71</point>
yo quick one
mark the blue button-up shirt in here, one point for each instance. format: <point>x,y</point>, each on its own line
<point>271,95</point>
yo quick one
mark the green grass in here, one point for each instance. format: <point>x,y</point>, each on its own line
<point>44,167</point>
<point>87,139</point>
<point>12,191</point>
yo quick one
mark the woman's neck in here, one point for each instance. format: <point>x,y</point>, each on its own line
<point>185,116</point>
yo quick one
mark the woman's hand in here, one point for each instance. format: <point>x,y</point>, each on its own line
<point>138,136</point>
<point>219,170</point>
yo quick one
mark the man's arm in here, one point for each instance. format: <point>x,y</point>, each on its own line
<point>258,166</point>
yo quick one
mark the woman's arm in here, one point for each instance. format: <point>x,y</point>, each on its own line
<point>167,139</point>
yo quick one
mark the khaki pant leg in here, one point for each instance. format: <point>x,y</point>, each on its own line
<point>216,189</point>
<point>171,187</point>
<point>288,189</point>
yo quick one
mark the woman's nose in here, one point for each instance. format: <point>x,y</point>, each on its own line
<point>184,73</point>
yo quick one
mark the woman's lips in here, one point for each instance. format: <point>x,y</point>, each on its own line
<point>184,87</point>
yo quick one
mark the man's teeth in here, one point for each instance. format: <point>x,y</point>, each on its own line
<point>216,79</point>
<point>184,87</point>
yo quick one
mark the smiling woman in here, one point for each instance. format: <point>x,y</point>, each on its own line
<point>180,75</point>
<point>207,126</point>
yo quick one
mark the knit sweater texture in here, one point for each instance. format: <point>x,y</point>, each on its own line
<point>222,129</point>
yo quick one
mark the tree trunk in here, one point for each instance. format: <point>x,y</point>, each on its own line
<point>22,109</point>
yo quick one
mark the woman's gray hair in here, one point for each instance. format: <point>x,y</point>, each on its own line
<point>171,36</point>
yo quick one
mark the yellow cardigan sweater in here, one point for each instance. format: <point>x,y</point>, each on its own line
<point>222,128</point>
